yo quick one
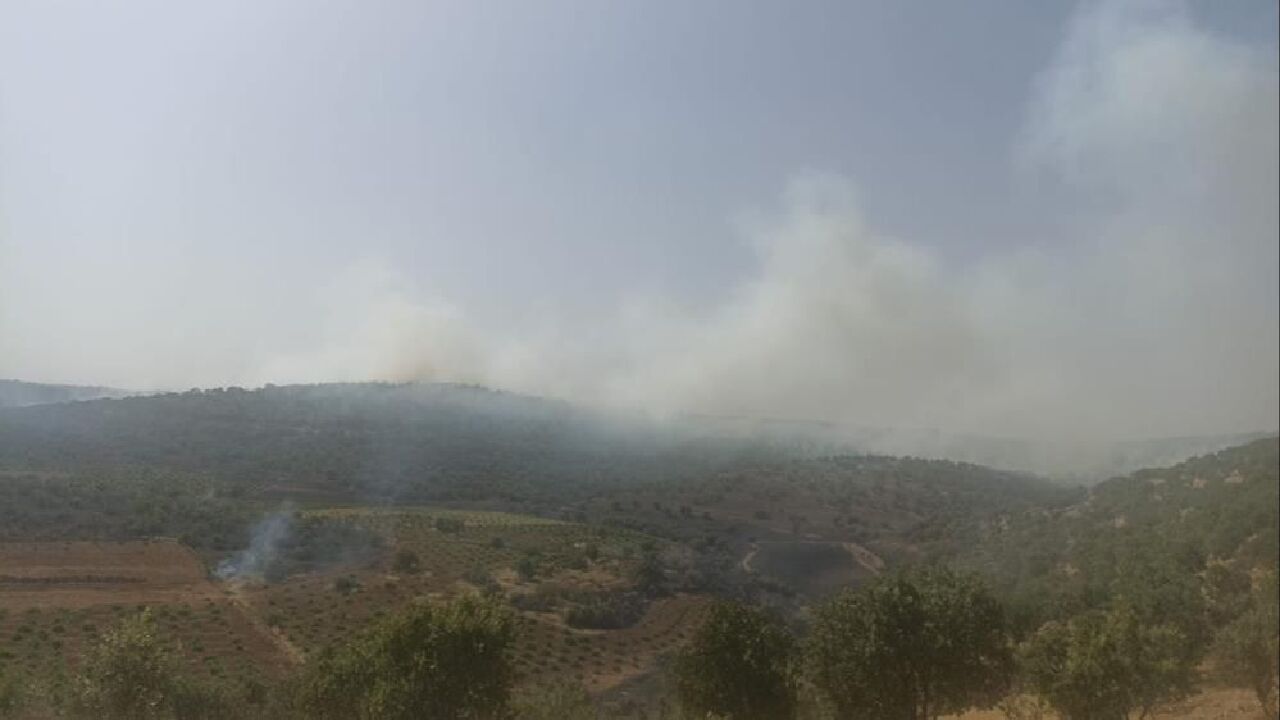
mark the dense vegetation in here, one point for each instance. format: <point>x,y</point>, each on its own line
<point>371,442</point>
<point>962,586</point>
<point>122,503</point>
<point>1157,536</point>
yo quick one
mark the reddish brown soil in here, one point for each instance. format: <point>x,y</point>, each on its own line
<point>56,598</point>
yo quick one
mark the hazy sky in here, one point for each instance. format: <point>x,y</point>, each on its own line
<point>997,216</point>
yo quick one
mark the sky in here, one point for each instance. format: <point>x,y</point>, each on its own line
<point>996,216</point>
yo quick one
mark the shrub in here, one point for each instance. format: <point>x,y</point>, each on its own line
<point>406,562</point>
<point>1246,650</point>
<point>527,568</point>
<point>11,699</point>
<point>346,585</point>
<point>562,701</point>
<point>450,525</point>
<point>424,663</point>
<point>606,611</point>
<point>129,675</point>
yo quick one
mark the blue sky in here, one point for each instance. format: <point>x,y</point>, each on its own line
<point>600,200</point>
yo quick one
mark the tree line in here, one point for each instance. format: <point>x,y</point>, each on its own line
<point>912,646</point>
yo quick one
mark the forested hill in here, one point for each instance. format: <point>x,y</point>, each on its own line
<point>16,393</point>
<point>409,442</point>
<point>1219,511</point>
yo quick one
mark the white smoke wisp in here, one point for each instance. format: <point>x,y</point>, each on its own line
<point>1159,316</point>
<point>264,547</point>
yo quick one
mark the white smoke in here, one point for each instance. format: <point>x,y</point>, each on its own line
<point>1157,316</point>
<point>264,547</point>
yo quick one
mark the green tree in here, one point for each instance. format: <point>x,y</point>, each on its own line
<point>1248,652</point>
<point>911,647</point>
<point>426,663</point>
<point>1105,665</point>
<point>1226,592</point>
<point>132,673</point>
<point>740,665</point>
<point>128,675</point>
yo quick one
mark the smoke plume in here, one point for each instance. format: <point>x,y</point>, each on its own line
<point>264,547</point>
<point>1148,307</point>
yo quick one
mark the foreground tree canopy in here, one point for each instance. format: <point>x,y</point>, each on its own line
<point>1102,666</point>
<point>1248,649</point>
<point>740,666</point>
<point>912,646</point>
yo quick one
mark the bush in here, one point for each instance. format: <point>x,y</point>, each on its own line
<point>527,568</point>
<point>1246,650</point>
<point>450,525</point>
<point>563,701</point>
<point>11,699</point>
<point>424,663</point>
<point>608,611</point>
<point>406,562</point>
<point>192,700</point>
<point>128,675</point>
<point>346,585</point>
<point>483,581</point>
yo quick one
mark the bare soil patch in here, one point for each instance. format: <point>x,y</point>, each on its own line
<point>83,574</point>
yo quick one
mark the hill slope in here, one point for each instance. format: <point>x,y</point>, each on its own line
<point>1221,509</point>
<point>17,393</point>
<point>368,441</point>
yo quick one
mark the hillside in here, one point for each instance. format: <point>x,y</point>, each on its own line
<point>17,393</point>
<point>608,536</point>
<point>192,464</point>
<point>1220,510</point>
<point>399,443</point>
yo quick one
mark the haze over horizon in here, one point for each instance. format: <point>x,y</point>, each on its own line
<point>1003,218</point>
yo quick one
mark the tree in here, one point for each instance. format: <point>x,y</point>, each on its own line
<point>1226,592</point>
<point>128,675</point>
<point>132,674</point>
<point>1247,649</point>
<point>426,663</point>
<point>740,665</point>
<point>1104,665</point>
<point>911,646</point>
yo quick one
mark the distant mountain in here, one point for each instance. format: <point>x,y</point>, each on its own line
<point>455,411</point>
<point>1082,462</point>
<point>371,441</point>
<point>17,393</point>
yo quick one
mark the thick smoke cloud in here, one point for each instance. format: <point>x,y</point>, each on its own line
<point>1147,308</point>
